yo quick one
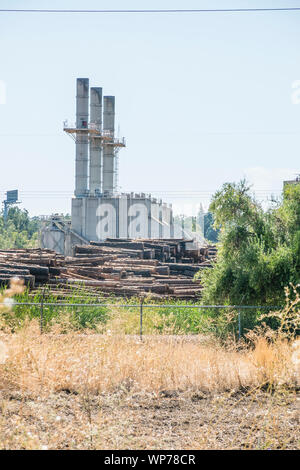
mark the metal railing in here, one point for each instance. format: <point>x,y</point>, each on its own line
<point>142,306</point>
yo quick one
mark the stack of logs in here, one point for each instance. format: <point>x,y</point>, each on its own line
<point>32,265</point>
<point>125,268</point>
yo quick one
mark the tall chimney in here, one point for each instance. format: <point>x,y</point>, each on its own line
<point>82,115</point>
<point>95,142</point>
<point>108,150</point>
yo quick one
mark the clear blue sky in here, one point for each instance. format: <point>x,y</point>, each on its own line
<point>201,98</point>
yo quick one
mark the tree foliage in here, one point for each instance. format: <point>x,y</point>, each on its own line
<point>19,230</point>
<point>211,233</point>
<point>203,223</point>
<point>259,251</point>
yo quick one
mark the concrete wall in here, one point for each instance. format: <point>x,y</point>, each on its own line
<point>124,216</point>
<point>53,239</point>
<point>58,240</point>
<point>138,216</point>
<point>154,220</point>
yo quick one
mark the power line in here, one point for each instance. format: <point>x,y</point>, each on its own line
<point>210,10</point>
<point>208,133</point>
<point>262,193</point>
<point>183,191</point>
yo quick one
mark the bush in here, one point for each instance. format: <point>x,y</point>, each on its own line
<point>259,252</point>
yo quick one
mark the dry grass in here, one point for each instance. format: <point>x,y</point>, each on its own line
<point>62,391</point>
<point>101,391</point>
<point>102,363</point>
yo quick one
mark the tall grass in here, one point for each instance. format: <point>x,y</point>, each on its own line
<point>123,315</point>
<point>71,359</point>
<point>63,360</point>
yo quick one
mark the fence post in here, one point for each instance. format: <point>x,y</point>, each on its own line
<point>141,319</point>
<point>42,312</point>
<point>240,324</point>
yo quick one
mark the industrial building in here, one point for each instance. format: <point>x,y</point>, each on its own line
<point>99,211</point>
<point>293,182</point>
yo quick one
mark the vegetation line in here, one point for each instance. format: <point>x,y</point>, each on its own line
<point>59,304</point>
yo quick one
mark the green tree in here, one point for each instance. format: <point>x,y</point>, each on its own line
<point>259,251</point>
<point>210,232</point>
<point>19,230</point>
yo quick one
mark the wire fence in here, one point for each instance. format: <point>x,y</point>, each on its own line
<point>98,311</point>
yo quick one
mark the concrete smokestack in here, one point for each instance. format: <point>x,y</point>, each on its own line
<point>82,115</point>
<point>108,151</point>
<point>95,142</point>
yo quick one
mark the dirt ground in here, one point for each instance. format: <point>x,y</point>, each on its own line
<point>168,420</point>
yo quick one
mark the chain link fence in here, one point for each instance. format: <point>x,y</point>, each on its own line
<point>145,318</point>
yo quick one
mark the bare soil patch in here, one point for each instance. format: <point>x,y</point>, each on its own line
<point>167,420</point>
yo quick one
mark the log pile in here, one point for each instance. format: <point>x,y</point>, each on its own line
<point>31,265</point>
<point>124,268</point>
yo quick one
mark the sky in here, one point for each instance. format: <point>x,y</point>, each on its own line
<point>201,98</point>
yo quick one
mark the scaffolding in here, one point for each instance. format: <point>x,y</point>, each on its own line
<point>106,137</point>
<point>94,132</point>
